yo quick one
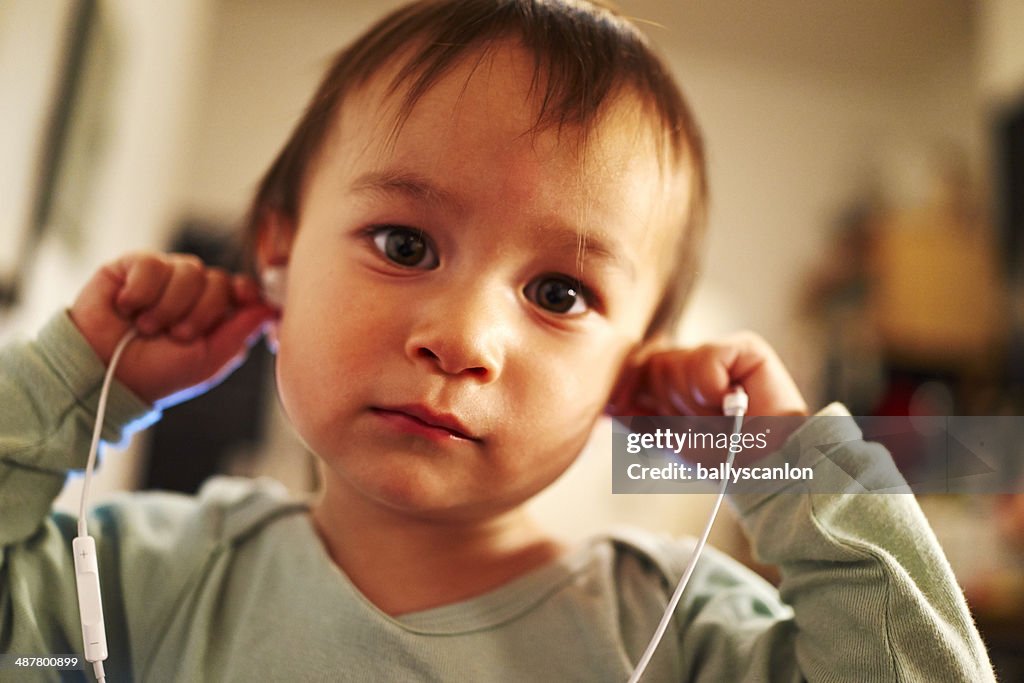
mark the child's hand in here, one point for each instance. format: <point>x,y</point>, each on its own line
<point>196,323</point>
<point>694,381</point>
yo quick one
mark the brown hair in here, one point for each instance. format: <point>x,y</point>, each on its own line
<point>585,54</point>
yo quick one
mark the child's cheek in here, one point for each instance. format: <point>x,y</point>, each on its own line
<point>567,406</point>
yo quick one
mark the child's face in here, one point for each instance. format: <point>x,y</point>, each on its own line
<point>474,320</point>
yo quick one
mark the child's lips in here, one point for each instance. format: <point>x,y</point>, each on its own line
<point>420,419</point>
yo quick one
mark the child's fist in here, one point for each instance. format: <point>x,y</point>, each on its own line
<point>693,381</point>
<point>195,323</point>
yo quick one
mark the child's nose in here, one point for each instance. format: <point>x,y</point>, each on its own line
<point>462,332</point>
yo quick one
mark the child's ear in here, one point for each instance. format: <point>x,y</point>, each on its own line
<point>273,251</point>
<point>274,240</point>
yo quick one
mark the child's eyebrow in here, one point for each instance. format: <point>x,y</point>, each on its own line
<point>412,185</point>
<point>555,235</point>
<point>561,238</point>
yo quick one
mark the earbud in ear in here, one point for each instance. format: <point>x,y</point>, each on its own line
<point>273,279</point>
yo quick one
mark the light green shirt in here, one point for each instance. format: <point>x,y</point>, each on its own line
<point>234,585</point>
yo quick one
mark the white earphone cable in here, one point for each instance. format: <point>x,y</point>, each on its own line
<point>98,428</point>
<point>734,405</point>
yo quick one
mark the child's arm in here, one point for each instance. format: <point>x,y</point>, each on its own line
<point>49,390</point>
<point>872,594</point>
<point>50,387</point>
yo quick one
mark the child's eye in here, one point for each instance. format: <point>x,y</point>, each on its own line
<point>405,246</point>
<point>558,294</point>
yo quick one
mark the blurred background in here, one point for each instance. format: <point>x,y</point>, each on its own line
<point>867,177</point>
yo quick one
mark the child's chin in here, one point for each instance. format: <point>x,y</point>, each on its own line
<point>426,495</point>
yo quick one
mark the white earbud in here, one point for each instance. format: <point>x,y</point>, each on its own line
<point>736,402</point>
<point>273,279</point>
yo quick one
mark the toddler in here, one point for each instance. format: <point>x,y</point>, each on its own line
<point>486,224</point>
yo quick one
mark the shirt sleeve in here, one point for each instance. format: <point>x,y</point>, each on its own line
<point>866,591</point>
<point>49,390</point>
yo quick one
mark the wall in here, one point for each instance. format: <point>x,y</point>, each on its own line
<point>25,27</point>
<point>1000,64</point>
